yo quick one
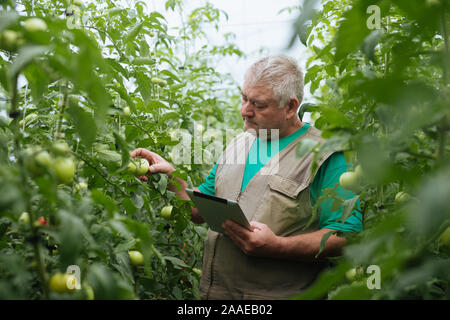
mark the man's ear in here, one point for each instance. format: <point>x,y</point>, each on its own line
<point>292,107</point>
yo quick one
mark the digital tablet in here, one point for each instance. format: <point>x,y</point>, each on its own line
<point>215,210</point>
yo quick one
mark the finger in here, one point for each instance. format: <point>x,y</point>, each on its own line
<point>256,225</point>
<point>236,229</point>
<point>157,167</point>
<point>150,156</point>
<point>143,178</point>
<point>239,242</point>
<point>138,152</point>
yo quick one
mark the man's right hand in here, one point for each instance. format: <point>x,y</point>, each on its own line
<point>157,163</point>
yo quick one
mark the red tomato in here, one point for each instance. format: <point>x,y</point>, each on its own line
<point>42,221</point>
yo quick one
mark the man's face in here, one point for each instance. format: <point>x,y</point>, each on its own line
<point>259,109</point>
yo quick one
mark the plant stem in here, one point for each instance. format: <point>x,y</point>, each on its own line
<point>63,108</point>
<point>20,161</point>
<point>101,174</point>
<point>386,55</point>
<point>442,134</point>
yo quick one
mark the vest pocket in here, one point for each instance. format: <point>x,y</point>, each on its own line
<point>286,186</point>
<point>286,206</point>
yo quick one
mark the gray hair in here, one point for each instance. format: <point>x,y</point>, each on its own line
<point>281,73</point>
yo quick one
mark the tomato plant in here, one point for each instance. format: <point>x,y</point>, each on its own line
<point>381,95</point>
<point>81,86</point>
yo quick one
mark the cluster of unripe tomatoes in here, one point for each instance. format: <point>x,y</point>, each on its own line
<point>11,39</point>
<point>355,180</point>
<point>38,161</point>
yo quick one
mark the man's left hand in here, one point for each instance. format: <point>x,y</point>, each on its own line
<point>261,241</point>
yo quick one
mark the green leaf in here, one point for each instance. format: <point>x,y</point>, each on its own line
<point>7,18</point>
<point>347,207</point>
<point>124,95</point>
<point>355,291</point>
<point>72,231</point>
<point>122,265</point>
<point>38,81</point>
<point>323,241</point>
<point>133,32</point>
<point>115,11</point>
<point>107,285</point>
<point>144,86</point>
<point>138,201</point>
<point>84,123</point>
<point>170,75</point>
<point>109,156</point>
<point>159,256</point>
<point>177,263</point>
<point>155,105</point>
<point>102,199</point>
<point>370,42</point>
<point>124,150</point>
<point>335,117</point>
<point>162,184</point>
<point>304,147</point>
<point>352,30</point>
<point>303,25</point>
<point>26,55</point>
<point>129,206</point>
<point>326,280</point>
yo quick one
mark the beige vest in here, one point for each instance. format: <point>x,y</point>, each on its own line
<point>278,195</point>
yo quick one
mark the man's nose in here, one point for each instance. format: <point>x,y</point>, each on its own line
<point>247,109</point>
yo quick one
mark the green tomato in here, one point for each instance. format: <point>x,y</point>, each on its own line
<point>444,239</point>
<point>64,169</point>
<point>349,181</point>
<point>25,217</point>
<point>36,160</point>
<point>136,258</point>
<point>44,159</point>
<point>142,167</point>
<point>351,274</point>
<point>60,148</point>
<point>131,168</point>
<point>402,197</point>
<point>126,111</point>
<point>156,80</point>
<point>58,282</point>
<point>9,39</point>
<point>197,271</point>
<point>35,24</point>
<point>166,212</point>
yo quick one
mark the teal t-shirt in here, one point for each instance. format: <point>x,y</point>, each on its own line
<point>327,176</point>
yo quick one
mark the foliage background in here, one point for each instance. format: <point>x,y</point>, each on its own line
<point>381,96</point>
<point>78,83</point>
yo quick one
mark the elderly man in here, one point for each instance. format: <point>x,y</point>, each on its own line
<point>276,191</point>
